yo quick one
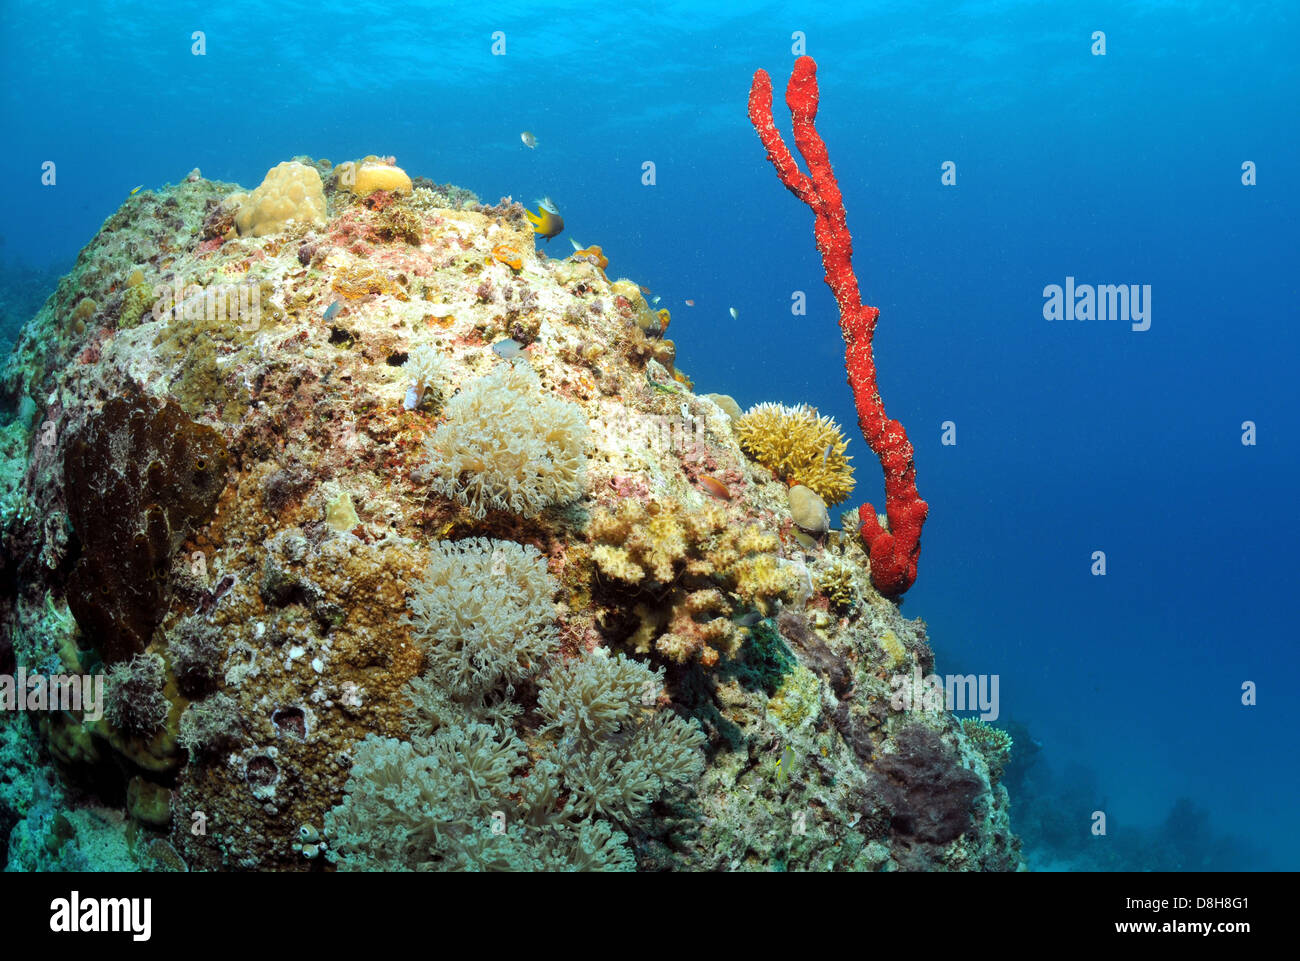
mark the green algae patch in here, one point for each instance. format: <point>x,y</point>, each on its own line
<point>764,660</point>
<point>798,700</point>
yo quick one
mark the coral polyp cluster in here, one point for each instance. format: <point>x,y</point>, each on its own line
<point>509,445</point>
<point>691,572</point>
<point>800,446</point>
<point>410,547</point>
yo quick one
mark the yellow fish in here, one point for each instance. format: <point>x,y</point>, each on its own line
<point>547,221</point>
<point>136,190</point>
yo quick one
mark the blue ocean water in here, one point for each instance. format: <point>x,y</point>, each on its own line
<point>1072,436</point>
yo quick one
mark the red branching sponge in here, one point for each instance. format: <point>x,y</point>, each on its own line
<point>894,552</point>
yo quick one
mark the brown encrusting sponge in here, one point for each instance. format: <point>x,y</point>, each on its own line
<point>139,477</point>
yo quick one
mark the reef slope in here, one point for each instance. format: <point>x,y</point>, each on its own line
<point>285,511</point>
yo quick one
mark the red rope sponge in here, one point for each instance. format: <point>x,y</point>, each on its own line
<point>894,552</point>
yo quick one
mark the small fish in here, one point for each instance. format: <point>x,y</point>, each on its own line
<point>529,140</point>
<point>665,388</point>
<point>507,349</point>
<point>547,221</point>
<point>656,300</point>
<point>826,453</point>
<point>715,487</point>
<point>333,309</point>
<point>785,763</point>
<point>135,190</point>
<point>690,303</point>
<point>576,245</point>
<point>645,291</point>
<point>749,620</point>
<point>734,315</point>
<point>804,540</point>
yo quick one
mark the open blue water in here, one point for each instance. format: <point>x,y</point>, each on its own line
<point>1072,436</point>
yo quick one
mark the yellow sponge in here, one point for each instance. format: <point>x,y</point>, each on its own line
<point>370,177</point>
<point>291,191</point>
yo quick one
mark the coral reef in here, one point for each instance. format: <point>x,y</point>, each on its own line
<point>429,371</point>
<point>469,797</point>
<point>682,561</point>
<point>135,701</point>
<point>408,547</point>
<point>994,743</point>
<point>894,550</point>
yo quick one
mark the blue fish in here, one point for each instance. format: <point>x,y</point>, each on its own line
<point>333,309</point>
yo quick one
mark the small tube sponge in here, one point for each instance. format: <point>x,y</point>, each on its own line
<point>484,612</point>
<point>798,446</point>
<point>291,191</point>
<point>509,445</point>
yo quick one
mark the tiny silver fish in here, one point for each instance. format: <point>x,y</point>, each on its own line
<point>333,309</point>
<point>507,349</point>
<point>529,140</point>
<point>734,315</point>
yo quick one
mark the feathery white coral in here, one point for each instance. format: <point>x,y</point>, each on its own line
<point>428,370</point>
<point>616,753</point>
<point>509,445</point>
<point>484,613</point>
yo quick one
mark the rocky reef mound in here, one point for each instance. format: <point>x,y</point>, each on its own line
<point>398,544</point>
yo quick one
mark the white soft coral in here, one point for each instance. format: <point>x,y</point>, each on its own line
<point>429,371</point>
